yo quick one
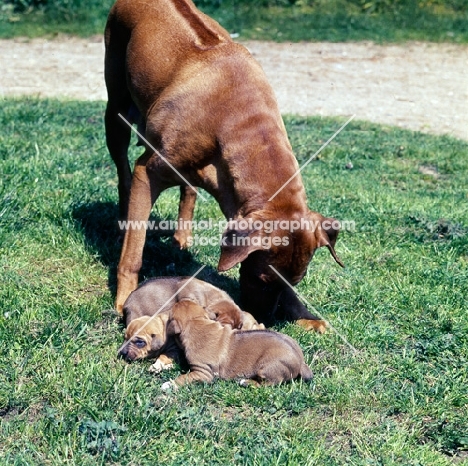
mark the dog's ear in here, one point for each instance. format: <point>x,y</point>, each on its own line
<point>173,328</point>
<point>326,232</point>
<point>212,315</point>
<point>236,245</point>
<point>157,342</point>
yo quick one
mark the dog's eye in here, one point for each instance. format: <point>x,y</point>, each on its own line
<point>140,343</point>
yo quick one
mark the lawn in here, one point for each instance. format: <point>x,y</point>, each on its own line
<point>279,20</point>
<point>400,398</point>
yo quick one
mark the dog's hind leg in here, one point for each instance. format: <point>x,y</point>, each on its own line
<point>188,197</point>
<point>118,132</point>
<point>118,139</point>
<point>203,375</point>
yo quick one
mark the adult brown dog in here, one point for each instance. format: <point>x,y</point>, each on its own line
<point>211,349</point>
<point>205,104</point>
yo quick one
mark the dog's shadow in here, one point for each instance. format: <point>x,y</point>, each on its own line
<point>98,222</point>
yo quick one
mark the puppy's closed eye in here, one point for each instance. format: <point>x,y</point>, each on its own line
<point>139,343</point>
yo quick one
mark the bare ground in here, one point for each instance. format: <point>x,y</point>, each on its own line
<point>417,86</point>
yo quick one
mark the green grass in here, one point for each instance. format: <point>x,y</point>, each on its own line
<point>322,20</point>
<point>401,301</point>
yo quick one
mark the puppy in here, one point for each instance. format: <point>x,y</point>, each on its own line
<point>212,349</point>
<point>146,337</point>
<point>161,293</point>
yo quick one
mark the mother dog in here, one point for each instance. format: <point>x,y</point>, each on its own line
<point>205,104</point>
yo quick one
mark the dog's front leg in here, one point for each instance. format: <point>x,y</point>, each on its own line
<point>291,309</point>
<point>185,379</point>
<point>188,197</point>
<point>143,194</point>
<point>164,362</point>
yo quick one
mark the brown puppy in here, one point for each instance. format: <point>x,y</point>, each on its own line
<point>205,104</point>
<point>214,350</point>
<point>146,337</point>
<point>161,293</point>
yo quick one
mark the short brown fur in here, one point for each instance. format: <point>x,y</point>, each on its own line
<point>205,104</point>
<point>158,295</point>
<point>211,350</point>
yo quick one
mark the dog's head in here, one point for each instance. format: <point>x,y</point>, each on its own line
<point>182,313</point>
<point>287,244</point>
<point>226,313</point>
<point>145,337</point>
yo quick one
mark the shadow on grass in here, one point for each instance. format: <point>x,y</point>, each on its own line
<point>98,222</point>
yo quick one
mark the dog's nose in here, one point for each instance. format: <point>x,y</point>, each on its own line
<point>123,353</point>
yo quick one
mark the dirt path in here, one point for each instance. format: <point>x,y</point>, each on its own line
<point>417,86</point>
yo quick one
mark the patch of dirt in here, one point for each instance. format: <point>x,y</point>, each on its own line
<point>418,86</point>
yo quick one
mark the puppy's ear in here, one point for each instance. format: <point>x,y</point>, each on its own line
<point>236,245</point>
<point>212,315</point>
<point>157,342</point>
<point>173,328</point>
<point>326,233</point>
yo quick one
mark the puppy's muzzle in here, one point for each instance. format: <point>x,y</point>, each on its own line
<point>123,353</point>
<point>128,353</point>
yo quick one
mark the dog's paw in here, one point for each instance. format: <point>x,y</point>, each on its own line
<point>248,383</point>
<point>243,382</point>
<point>159,366</point>
<point>182,239</point>
<point>320,326</point>
<point>168,386</point>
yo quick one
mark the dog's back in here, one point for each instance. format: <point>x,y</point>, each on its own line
<point>140,30</point>
<point>265,356</point>
<point>161,293</point>
<point>154,295</point>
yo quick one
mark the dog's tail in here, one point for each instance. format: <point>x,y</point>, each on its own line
<point>306,373</point>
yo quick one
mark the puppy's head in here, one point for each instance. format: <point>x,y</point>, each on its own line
<point>145,337</point>
<point>182,313</point>
<point>249,322</point>
<point>226,313</point>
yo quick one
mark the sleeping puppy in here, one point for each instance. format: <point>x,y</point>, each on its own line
<point>146,337</point>
<point>212,349</point>
<point>160,294</point>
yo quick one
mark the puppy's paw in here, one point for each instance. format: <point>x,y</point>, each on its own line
<point>243,382</point>
<point>320,326</point>
<point>168,386</point>
<point>248,383</point>
<point>160,366</point>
